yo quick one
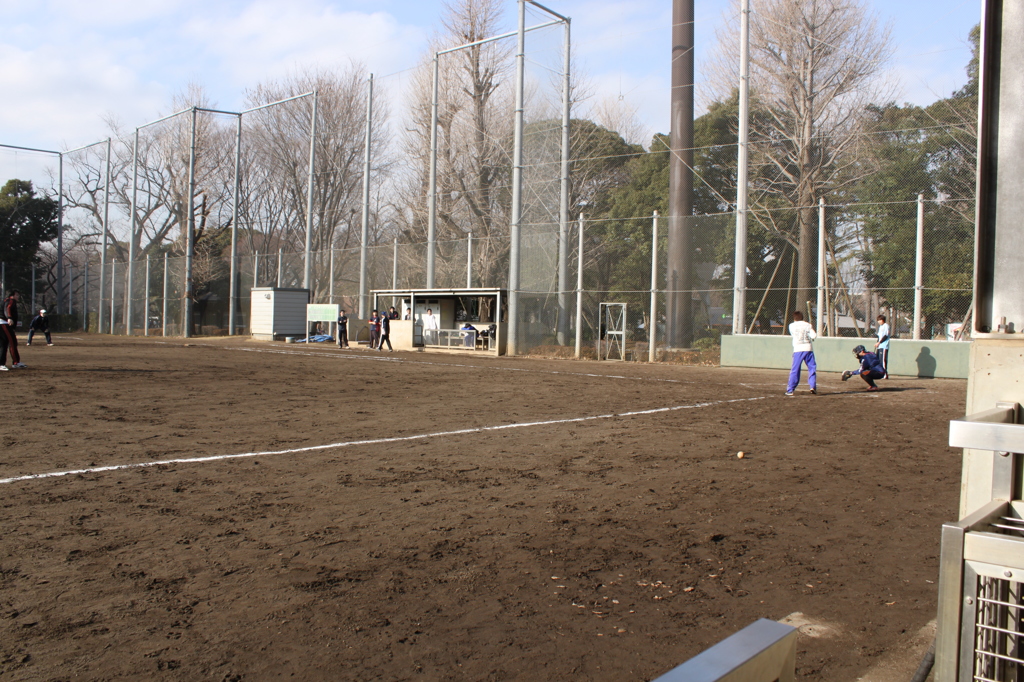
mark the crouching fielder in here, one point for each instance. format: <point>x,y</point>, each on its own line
<point>803,353</point>
<point>870,368</point>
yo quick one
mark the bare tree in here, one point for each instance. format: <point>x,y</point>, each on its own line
<point>815,65</point>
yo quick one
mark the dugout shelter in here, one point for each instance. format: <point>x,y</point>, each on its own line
<point>486,310</point>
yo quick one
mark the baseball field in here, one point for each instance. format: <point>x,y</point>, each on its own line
<point>229,510</point>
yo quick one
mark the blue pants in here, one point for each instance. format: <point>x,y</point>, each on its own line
<point>799,359</point>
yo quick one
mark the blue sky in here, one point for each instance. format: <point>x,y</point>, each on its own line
<point>65,65</point>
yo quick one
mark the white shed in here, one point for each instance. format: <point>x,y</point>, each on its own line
<point>278,312</point>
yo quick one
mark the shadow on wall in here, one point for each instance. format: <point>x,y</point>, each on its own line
<point>925,364</point>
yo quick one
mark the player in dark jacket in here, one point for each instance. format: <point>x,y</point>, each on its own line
<point>385,333</point>
<point>8,327</point>
<point>39,323</point>
<point>870,368</point>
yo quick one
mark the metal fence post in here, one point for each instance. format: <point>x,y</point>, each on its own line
<point>364,230</point>
<point>517,188</point>
<point>579,292</point>
<point>113,287</point>
<point>103,250</point>
<point>4,276</point>
<point>85,298</point>
<point>330,285</point>
<point>307,265</point>
<point>432,181</point>
<point>60,234</point>
<point>394,266</point>
<point>818,321</point>
<point>739,294</point>
<point>186,302</point>
<point>255,269</point>
<point>130,287</point>
<point>918,268</point>
<point>469,260</point>
<point>145,305</point>
<point>652,330</point>
<point>163,305</point>
<point>563,201</point>
<point>280,262</point>
<point>233,284</point>
<point>71,289</point>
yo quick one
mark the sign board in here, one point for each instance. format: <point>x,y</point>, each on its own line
<point>322,312</point>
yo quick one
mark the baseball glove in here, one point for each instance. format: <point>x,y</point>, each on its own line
<point>847,374</point>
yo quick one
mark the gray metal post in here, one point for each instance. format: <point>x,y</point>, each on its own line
<point>163,305</point>
<point>918,268</point>
<point>307,265</point>
<point>130,289</point>
<point>679,270</point>
<point>517,189</point>
<point>255,269</point>
<point>60,234</point>
<point>113,291</point>
<point>432,181</point>
<point>85,298</point>
<point>563,202</point>
<point>364,230</point>
<point>330,284</point>
<point>739,294</point>
<point>145,304</point>
<point>71,289</point>
<point>653,322</point>
<point>469,260</point>
<point>820,314</point>
<point>579,292</point>
<point>280,268</point>
<point>233,285</point>
<point>186,302</point>
<point>103,250</point>
<point>3,277</point>
<point>394,266</point>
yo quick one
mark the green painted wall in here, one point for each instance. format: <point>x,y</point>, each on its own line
<point>944,359</point>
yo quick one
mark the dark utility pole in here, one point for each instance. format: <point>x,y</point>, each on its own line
<point>680,204</point>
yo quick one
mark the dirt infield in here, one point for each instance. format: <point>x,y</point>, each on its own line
<point>600,547</point>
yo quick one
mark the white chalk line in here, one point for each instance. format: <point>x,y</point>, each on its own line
<point>353,443</point>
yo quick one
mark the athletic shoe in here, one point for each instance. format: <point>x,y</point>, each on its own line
<point>814,391</point>
<point>49,344</point>
<point>19,365</point>
<point>3,368</point>
<point>873,388</point>
<point>789,393</point>
<point>28,344</point>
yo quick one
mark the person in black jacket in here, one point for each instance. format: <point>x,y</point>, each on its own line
<point>385,333</point>
<point>39,323</point>
<point>8,327</point>
<point>870,368</point>
<point>342,330</point>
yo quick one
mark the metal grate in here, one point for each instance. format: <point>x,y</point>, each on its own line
<point>999,631</point>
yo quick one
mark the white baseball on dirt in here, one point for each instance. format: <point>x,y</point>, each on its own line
<point>740,455</point>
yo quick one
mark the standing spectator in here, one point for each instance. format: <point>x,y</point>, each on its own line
<point>9,320</point>
<point>374,323</point>
<point>882,345</point>
<point>803,353</point>
<point>392,313</point>
<point>870,368</point>
<point>342,330</point>
<point>430,328</point>
<point>385,333</point>
<point>39,323</point>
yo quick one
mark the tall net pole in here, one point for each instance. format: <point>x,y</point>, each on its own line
<point>364,230</point>
<point>131,236</point>
<point>60,234</point>
<point>680,252</point>
<point>563,202</point>
<point>517,188</point>
<point>190,232</point>
<point>307,262</point>
<point>820,318</point>
<point>233,284</point>
<point>103,249</point>
<point>432,182</point>
<point>739,294</point>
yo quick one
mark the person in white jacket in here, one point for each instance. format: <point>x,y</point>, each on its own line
<point>430,328</point>
<point>803,353</point>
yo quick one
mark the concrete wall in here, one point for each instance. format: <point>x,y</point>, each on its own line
<point>944,359</point>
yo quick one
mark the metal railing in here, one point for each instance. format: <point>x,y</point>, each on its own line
<point>764,651</point>
<point>465,339</point>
